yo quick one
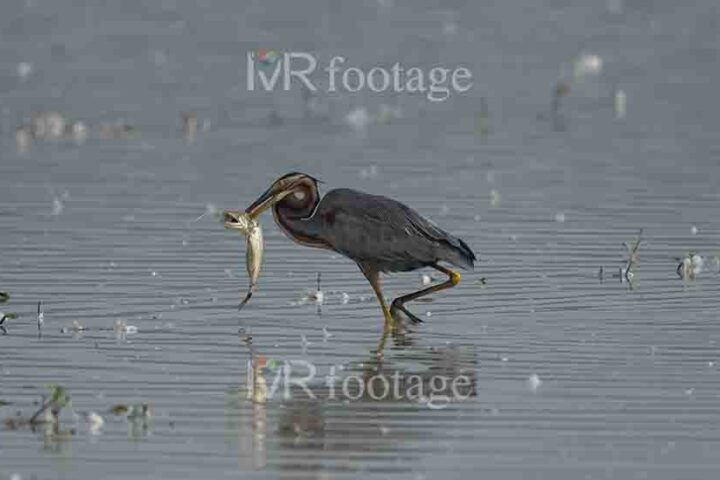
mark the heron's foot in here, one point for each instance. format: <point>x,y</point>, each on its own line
<point>396,305</point>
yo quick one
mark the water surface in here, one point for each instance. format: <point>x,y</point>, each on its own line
<point>101,232</point>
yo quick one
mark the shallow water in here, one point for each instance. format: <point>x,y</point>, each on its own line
<point>570,377</point>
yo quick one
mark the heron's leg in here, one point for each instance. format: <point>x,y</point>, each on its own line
<point>399,303</point>
<point>374,279</point>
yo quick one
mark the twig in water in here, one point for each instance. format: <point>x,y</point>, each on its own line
<point>3,317</point>
<point>40,319</point>
<point>57,400</point>
<point>632,257</point>
<point>318,296</point>
<point>201,216</point>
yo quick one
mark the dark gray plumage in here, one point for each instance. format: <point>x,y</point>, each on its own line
<point>380,234</point>
<point>384,234</point>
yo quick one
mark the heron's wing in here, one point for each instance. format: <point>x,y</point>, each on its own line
<point>386,234</point>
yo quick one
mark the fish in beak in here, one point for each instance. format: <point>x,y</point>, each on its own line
<point>238,220</point>
<point>248,226</point>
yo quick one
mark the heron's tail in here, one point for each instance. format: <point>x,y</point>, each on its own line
<point>459,254</point>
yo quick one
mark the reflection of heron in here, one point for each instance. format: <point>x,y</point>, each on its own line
<point>286,426</point>
<point>378,233</point>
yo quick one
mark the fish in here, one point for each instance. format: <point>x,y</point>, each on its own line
<point>248,226</point>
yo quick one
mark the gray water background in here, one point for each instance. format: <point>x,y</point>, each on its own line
<point>629,377</point>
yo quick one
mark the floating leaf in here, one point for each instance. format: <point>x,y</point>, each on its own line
<point>119,409</point>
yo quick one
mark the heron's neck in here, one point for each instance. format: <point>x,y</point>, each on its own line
<point>301,225</point>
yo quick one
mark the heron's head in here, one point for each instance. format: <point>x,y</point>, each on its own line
<point>295,190</point>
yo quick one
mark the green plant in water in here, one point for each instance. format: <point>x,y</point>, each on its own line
<point>58,396</point>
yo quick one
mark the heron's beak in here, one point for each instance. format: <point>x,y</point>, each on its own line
<point>269,198</point>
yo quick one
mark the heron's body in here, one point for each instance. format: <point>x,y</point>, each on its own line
<point>376,232</point>
<point>380,234</point>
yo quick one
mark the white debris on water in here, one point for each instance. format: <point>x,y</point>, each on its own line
<point>345,298</point>
<point>316,296</point>
<point>358,119</point>
<point>304,343</point>
<point>494,198</point>
<point>190,124</point>
<point>694,230</point>
<point>620,104</point>
<point>625,274</point>
<point>428,314</point>
<point>698,262</point>
<point>560,217</point>
<point>690,266</point>
<point>369,172</point>
<point>23,138</point>
<point>685,270</point>
<point>534,382</point>
<point>326,334</point>
<point>79,132</point>
<point>122,329</point>
<point>95,423</point>
<point>57,206</point>
<point>587,64</point>
<point>24,70</point>
<point>40,318</point>
<point>49,125</point>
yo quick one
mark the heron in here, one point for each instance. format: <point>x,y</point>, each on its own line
<point>379,234</point>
